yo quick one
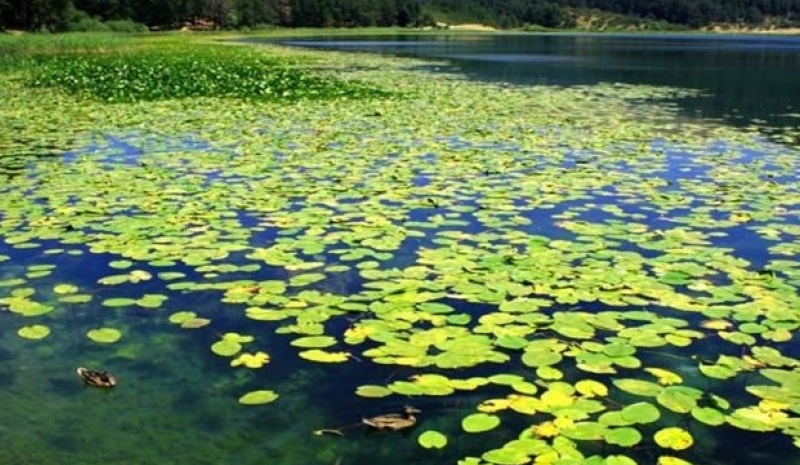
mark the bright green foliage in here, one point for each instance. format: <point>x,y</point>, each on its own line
<point>432,440</point>
<point>104,335</point>
<point>258,397</point>
<point>203,72</point>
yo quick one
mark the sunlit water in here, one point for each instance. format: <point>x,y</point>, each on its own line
<point>746,78</point>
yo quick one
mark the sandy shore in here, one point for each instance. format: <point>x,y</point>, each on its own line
<point>470,27</point>
<point>745,30</point>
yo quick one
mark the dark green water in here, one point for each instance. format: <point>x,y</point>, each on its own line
<point>747,78</point>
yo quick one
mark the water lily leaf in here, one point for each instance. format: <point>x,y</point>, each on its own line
<point>75,299</point>
<point>585,431</point>
<point>119,302</point>
<point>315,342</point>
<point>638,387</point>
<point>226,348</point>
<point>480,422</point>
<point>640,412</point>
<point>591,388</point>
<point>65,289</point>
<point>708,415</point>
<point>679,399</point>
<point>114,280</point>
<point>316,355</point>
<point>195,323</point>
<point>373,391</point>
<point>151,300</point>
<point>670,460</point>
<point>665,377</point>
<point>120,264</point>
<point>258,397</point>
<point>256,360</point>
<point>505,456</point>
<point>619,460</point>
<point>180,317</point>
<point>306,279</point>
<point>34,332</point>
<point>432,440</point>
<point>26,307</point>
<point>104,335</point>
<point>673,438</point>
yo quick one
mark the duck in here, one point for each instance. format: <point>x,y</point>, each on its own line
<point>97,378</point>
<point>394,421</point>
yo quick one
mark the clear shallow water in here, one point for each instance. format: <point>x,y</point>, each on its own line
<point>746,77</point>
<point>176,401</point>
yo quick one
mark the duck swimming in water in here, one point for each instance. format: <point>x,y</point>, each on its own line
<point>97,378</point>
<point>394,421</point>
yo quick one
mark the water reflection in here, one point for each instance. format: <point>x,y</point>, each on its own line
<point>746,78</point>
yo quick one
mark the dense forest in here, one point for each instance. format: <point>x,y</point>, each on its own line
<point>61,15</point>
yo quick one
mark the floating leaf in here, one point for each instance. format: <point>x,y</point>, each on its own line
<point>34,332</point>
<point>195,323</point>
<point>258,397</point>
<point>314,342</point>
<point>673,438</point>
<point>104,335</point>
<point>226,348</point>
<point>372,391</point>
<point>316,355</point>
<point>119,302</point>
<point>180,317</point>
<point>708,415</point>
<point>625,436</point>
<point>640,412</point>
<point>638,387</point>
<point>256,360</point>
<point>480,422</point>
<point>432,440</point>
<point>65,289</point>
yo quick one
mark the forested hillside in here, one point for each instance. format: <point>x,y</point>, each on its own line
<point>59,15</point>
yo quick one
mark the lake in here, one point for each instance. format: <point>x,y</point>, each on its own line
<point>571,249</point>
<point>746,78</point>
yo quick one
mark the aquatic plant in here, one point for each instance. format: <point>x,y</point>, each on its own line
<point>189,73</point>
<point>574,273</point>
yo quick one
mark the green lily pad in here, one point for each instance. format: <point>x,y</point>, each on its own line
<point>373,391</point>
<point>180,317</point>
<point>673,438</point>
<point>640,412</point>
<point>314,342</point>
<point>119,302</point>
<point>258,397</point>
<point>34,332</point>
<point>65,289</point>
<point>104,335</point>
<point>432,440</point>
<point>708,415</point>
<point>226,348</point>
<point>316,355</point>
<point>480,422</point>
<point>625,436</point>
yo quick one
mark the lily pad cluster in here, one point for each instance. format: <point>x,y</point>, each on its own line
<point>578,273</point>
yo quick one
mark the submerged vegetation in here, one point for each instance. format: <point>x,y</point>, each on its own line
<point>571,275</point>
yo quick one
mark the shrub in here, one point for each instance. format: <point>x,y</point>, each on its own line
<point>126,26</point>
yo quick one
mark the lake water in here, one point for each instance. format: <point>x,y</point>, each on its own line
<point>747,78</point>
<point>424,243</point>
